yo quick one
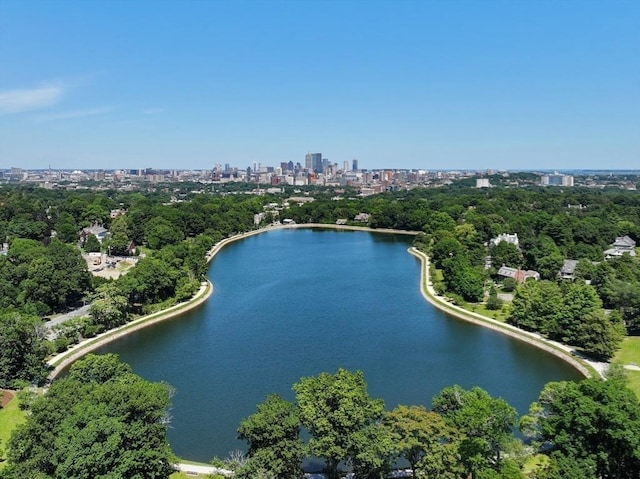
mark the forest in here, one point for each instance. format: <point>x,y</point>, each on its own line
<point>43,273</point>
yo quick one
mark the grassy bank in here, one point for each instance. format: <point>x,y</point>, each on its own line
<point>10,417</point>
<point>629,354</point>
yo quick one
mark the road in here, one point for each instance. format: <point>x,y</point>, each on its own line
<point>76,313</point>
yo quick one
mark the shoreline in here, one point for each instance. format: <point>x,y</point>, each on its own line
<point>61,361</point>
<point>585,367</point>
<point>216,248</point>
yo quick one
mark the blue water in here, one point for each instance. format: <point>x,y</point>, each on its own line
<point>294,303</point>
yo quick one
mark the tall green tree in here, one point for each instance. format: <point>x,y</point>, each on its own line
<point>160,232</point>
<point>273,436</point>
<point>506,254</point>
<point>424,439</point>
<point>92,245</point>
<point>537,306</point>
<point>601,335</point>
<point>109,307</point>
<point>335,408</point>
<point>22,350</point>
<point>592,424</point>
<point>579,300</point>
<point>486,422</point>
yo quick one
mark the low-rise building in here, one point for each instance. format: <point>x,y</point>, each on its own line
<point>519,275</point>
<point>100,232</point>
<point>568,269</point>
<point>509,238</point>
<point>622,245</point>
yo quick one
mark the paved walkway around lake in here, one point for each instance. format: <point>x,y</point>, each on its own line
<point>64,359</point>
<point>567,353</point>
<point>201,469</point>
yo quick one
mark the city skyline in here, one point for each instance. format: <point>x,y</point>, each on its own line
<point>416,85</point>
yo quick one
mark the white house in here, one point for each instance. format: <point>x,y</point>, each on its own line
<point>509,238</point>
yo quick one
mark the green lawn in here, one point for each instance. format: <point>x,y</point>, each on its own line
<point>629,353</point>
<point>534,463</point>
<point>10,417</point>
<point>481,308</point>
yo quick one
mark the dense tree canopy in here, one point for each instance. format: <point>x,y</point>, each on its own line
<point>591,430</point>
<point>100,421</point>
<point>486,422</point>
<point>592,425</point>
<point>425,440</point>
<point>571,313</point>
<point>336,408</point>
<point>273,436</point>
<point>22,351</point>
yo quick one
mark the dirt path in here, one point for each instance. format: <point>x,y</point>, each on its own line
<point>6,397</point>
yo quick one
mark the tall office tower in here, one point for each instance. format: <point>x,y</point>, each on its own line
<point>290,166</point>
<point>317,162</point>
<point>284,166</point>
<point>345,166</point>
<point>227,167</point>
<point>355,165</point>
<point>313,162</point>
<point>325,165</point>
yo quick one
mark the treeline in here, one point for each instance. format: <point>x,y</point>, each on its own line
<point>589,429</point>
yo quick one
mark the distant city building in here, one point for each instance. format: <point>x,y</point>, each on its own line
<point>17,174</point>
<point>345,166</point>
<point>355,164</point>
<point>482,183</point>
<point>556,179</point>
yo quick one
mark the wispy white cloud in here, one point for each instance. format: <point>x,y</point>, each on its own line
<point>18,101</point>
<point>74,114</point>
<point>153,111</point>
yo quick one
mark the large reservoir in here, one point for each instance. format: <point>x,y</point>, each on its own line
<point>294,303</point>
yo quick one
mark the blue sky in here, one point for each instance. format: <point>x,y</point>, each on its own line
<point>402,84</point>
